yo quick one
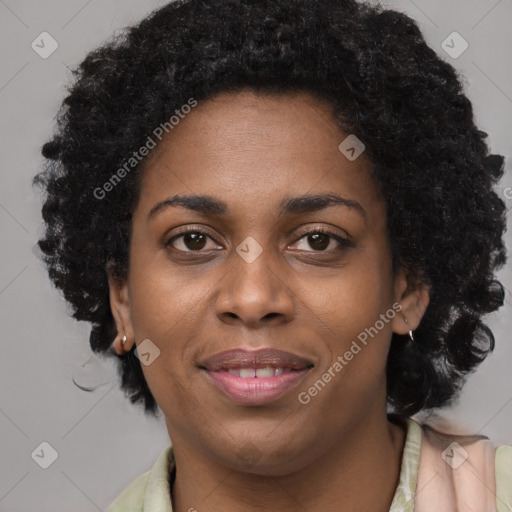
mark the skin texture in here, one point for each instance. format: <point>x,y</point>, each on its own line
<point>338,452</point>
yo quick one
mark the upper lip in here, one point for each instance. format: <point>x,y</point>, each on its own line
<point>261,358</point>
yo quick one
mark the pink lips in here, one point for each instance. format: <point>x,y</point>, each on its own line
<point>254,377</point>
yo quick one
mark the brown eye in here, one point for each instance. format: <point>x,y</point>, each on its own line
<point>189,241</point>
<point>194,241</point>
<point>320,239</point>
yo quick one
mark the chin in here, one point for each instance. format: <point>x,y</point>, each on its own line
<point>267,457</point>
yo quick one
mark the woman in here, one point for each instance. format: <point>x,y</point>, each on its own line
<point>279,217</point>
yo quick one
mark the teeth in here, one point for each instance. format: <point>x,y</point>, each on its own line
<point>264,373</point>
<point>247,373</point>
<point>251,373</point>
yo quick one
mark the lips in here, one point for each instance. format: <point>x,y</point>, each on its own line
<point>262,358</point>
<point>255,377</point>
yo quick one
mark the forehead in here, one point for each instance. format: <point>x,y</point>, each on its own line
<point>249,147</point>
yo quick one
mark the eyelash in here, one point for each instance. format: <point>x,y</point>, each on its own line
<point>343,242</point>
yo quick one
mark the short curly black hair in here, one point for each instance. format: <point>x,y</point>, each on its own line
<point>385,85</point>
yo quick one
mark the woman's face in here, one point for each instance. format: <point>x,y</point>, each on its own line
<point>249,277</point>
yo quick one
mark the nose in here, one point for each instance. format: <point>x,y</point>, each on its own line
<point>255,293</point>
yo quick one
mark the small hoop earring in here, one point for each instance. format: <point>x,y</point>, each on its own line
<point>124,339</point>
<point>410,332</point>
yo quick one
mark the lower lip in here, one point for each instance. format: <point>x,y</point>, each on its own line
<point>256,391</point>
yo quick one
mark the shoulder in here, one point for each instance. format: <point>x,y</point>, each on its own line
<point>149,491</point>
<point>503,465</point>
<point>132,498</point>
<point>461,471</point>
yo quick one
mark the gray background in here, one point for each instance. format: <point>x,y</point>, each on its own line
<point>103,442</point>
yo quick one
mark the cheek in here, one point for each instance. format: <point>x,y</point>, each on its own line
<point>349,308</point>
<point>169,307</point>
<point>165,312</point>
<point>162,298</point>
<point>356,296</point>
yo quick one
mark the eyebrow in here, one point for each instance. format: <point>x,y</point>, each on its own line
<point>307,203</point>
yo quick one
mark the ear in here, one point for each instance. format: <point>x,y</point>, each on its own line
<point>413,294</point>
<point>120,306</point>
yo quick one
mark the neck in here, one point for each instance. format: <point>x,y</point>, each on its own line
<point>360,472</point>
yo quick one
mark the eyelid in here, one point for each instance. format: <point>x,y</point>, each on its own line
<point>343,241</point>
<point>326,230</point>
<point>190,229</point>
